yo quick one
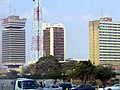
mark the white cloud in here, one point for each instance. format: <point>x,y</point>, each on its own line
<point>68,18</point>
<point>86,18</point>
<point>7,1</point>
<point>56,17</point>
<point>5,4</point>
<point>28,14</point>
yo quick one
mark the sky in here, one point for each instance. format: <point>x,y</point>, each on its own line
<point>73,14</point>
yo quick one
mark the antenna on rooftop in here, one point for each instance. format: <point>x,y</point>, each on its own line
<point>9,9</point>
<point>14,11</point>
<point>102,13</point>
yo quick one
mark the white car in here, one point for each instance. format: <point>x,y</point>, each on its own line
<point>114,87</point>
<point>100,88</point>
<point>25,84</point>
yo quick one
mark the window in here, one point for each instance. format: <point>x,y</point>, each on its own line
<point>19,84</point>
<point>30,84</point>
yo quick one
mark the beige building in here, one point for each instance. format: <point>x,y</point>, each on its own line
<point>53,41</point>
<point>104,42</point>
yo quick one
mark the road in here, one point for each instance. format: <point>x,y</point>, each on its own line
<point>5,84</point>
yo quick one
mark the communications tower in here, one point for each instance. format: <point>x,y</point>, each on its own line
<point>36,33</point>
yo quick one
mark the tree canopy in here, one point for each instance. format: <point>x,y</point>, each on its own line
<point>84,70</point>
<point>50,67</point>
<point>104,73</point>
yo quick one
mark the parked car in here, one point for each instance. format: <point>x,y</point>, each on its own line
<point>25,84</point>
<point>83,87</point>
<point>73,85</point>
<point>65,86</point>
<point>114,87</point>
<point>100,87</point>
<point>55,87</point>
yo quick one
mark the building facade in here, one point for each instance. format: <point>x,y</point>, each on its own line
<point>13,41</point>
<point>104,42</point>
<point>53,41</point>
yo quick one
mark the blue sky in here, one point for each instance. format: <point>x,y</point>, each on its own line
<point>74,14</point>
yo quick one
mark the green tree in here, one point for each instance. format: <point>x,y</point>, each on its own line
<point>104,73</point>
<point>49,66</point>
<point>68,69</point>
<point>32,68</point>
<point>24,70</point>
<point>84,70</point>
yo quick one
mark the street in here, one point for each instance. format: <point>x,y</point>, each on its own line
<point>5,84</point>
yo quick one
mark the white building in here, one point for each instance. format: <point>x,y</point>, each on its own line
<point>13,41</point>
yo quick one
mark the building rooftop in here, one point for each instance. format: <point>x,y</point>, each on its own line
<point>13,22</point>
<point>106,19</point>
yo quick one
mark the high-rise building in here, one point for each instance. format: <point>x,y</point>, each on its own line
<point>104,41</point>
<point>13,41</point>
<point>53,42</point>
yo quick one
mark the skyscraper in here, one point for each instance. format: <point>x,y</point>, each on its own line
<point>104,42</point>
<point>13,41</point>
<point>53,42</point>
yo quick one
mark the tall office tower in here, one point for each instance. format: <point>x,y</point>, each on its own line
<point>53,42</point>
<point>104,42</point>
<point>13,41</point>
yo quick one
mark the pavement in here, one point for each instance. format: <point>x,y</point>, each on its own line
<point>5,84</point>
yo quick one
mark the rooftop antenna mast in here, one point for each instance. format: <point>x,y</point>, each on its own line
<point>36,31</point>
<point>102,13</point>
<point>9,9</point>
<point>14,11</point>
